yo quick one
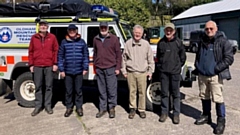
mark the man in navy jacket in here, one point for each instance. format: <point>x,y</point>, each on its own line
<point>212,63</point>
<point>73,60</point>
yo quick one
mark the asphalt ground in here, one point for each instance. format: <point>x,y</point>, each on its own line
<point>17,120</point>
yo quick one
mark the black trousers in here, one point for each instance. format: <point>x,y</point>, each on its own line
<point>170,84</point>
<point>107,86</point>
<point>41,74</point>
<point>73,82</point>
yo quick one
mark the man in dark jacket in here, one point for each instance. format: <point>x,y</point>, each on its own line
<point>107,60</point>
<point>73,61</point>
<point>42,56</point>
<point>171,57</point>
<point>212,63</point>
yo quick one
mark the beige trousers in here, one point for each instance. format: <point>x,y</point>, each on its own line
<point>137,82</point>
<point>211,87</point>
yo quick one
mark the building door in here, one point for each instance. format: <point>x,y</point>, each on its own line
<point>230,26</point>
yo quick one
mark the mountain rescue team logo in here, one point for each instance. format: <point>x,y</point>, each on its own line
<point>5,34</point>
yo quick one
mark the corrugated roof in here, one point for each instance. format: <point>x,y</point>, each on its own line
<point>210,8</point>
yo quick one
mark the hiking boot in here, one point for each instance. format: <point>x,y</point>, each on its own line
<point>204,119</point>
<point>220,126</point>
<point>132,113</point>
<point>112,113</point>
<point>163,117</point>
<point>176,119</point>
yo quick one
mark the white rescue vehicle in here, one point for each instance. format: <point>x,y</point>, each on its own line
<point>17,29</point>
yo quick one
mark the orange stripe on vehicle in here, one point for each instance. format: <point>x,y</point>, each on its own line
<point>94,67</point>
<point>10,60</point>
<point>3,68</point>
<point>25,58</point>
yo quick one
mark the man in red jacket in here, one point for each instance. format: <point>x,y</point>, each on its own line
<point>42,56</point>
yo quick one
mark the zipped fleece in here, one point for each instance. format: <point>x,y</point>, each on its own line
<point>171,55</point>
<point>107,53</point>
<point>43,51</point>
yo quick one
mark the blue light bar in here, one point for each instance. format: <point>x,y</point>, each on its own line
<point>103,10</point>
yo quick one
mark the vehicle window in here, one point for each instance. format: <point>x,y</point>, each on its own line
<point>154,33</point>
<point>93,31</point>
<point>127,31</point>
<point>59,32</point>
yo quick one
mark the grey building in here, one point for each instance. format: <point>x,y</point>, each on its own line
<point>226,13</point>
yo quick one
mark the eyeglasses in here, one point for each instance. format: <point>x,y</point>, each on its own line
<point>206,29</point>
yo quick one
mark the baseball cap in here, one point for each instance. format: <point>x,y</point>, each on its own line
<point>170,25</point>
<point>72,26</point>
<point>43,22</point>
<point>104,24</point>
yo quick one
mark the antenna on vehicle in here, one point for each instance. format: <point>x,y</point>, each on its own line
<point>14,3</point>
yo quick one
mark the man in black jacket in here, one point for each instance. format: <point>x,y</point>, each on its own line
<point>171,57</point>
<point>212,63</point>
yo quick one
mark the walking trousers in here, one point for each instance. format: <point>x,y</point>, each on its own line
<point>107,86</point>
<point>73,83</point>
<point>170,84</point>
<point>41,74</point>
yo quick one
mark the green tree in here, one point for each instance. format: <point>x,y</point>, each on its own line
<point>134,11</point>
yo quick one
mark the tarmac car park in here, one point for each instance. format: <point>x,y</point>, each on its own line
<point>17,29</point>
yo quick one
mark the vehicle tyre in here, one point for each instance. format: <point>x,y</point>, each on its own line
<point>235,49</point>
<point>24,90</point>
<point>153,96</point>
<point>5,86</point>
<point>194,48</point>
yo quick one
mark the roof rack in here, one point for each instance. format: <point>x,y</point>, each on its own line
<point>46,10</point>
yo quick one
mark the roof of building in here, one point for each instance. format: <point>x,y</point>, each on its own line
<point>210,8</point>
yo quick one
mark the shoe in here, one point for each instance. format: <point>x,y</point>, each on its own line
<point>79,112</point>
<point>163,117</point>
<point>68,112</point>
<point>176,119</point>
<point>131,113</point>
<point>220,126</point>
<point>100,114</point>
<point>36,111</point>
<point>142,115</point>
<point>112,113</point>
<point>204,119</point>
<point>49,110</point>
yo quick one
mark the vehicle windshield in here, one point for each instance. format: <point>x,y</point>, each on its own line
<point>127,31</point>
<point>154,33</point>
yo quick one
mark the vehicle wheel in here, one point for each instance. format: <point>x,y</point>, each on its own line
<point>235,49</point>
<point>3,87</point>
<point>153,96</point>
<point>24,90</point>
<point>194,49</point>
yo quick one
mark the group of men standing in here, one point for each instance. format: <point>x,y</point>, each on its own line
<point>136,64</point>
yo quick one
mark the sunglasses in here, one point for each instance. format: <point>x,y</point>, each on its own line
<point>206,29</point>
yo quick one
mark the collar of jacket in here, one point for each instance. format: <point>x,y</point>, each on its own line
<point>39,36</point>
<point>134,43</point>
<point>99,36</point>
<point>78,36</point>
<point>166,39</point>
